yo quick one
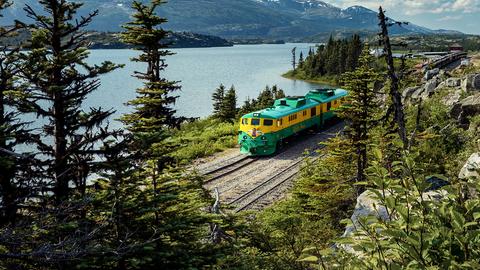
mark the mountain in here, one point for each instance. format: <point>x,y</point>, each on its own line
<point>274,19</point>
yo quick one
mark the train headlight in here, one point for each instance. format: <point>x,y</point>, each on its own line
<point>264,138</point>
<point>244,137</point>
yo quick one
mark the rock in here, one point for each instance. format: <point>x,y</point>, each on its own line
<point>367,205</point>
<point>466,108</point>
<point>428,90</point>
<point>431,73</point>
<point>452,97</point>
<point>440,86</point>
<point>453,82</point>
<point>471,83</point>
<point>408,92</point>
<point>418,93</point>
<point>471,167</point>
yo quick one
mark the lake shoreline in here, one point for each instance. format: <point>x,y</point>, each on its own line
<point>324,80</point>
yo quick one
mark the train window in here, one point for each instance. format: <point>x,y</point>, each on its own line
<point>313,111</point>
<point>255,122</point>
<point>304,113</point>
<point>267,122</point>
<point>244,121</point>
<point>279,122</point>
<point>329,105</point>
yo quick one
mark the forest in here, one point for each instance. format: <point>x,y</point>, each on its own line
<point>77,194</point>
<point>327,62</point>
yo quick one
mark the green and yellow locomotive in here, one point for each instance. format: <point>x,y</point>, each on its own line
<point>262,132</point>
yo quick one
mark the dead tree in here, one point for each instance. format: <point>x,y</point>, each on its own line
<point>294,59</point>
<point>399,115</point>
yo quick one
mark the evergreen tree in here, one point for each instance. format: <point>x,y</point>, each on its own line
<point>58,81</point>
<point>153,114</point>
<point>361,109</point>
<point>300,60</point>
<point>218,97</point>
<point>277,93</point>
<point>11,129</point>
<point>294,59</point>
<point>229,105</point>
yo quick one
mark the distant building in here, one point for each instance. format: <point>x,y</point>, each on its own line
<point>456,48</point>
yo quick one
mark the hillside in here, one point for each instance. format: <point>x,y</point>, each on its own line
<point>109,40</point>
<point>277,19</point>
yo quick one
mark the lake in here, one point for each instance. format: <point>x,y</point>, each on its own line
<point>200,70</point>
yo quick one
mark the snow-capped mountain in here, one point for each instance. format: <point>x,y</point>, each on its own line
<point>235,18</point>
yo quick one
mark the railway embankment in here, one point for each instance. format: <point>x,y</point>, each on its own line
<point>253,183</point>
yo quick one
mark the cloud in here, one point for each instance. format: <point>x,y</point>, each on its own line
<point>450,18</point>
<point>415,7</point>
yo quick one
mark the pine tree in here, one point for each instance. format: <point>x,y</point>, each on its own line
<point>294,59</point>
<point>229,105</point>
<point>300,61</point>
<point>361,109</point>
<point>11,129</point>
<point>58,81</point>
<point>153,114</point>
<point>277,92</point>
<point>218,98</point>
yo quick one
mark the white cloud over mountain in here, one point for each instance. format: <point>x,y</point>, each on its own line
<point>431,13</point>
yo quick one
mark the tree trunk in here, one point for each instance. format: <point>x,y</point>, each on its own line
<point>394,91</point>
<point>60,163</point>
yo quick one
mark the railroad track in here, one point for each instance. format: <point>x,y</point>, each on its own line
<point>229,168</point>
<point>251,197</point>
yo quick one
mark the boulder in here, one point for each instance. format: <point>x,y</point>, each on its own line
<point>453,82</point>
<point>367,205</point>
<point>431,73</point>
<point>466,108</point>
<point>440,86</point>
<point>408,92</point>
<point>452,97</point>
<point>471,83</point>
<point>418,93</point>
<point>471,167</point>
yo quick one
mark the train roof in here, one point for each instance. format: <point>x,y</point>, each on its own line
<point>286,106</point>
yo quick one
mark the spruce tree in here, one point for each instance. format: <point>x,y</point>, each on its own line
<point>154,113</point>
<point>229,105</point>
<point>277,92</point>
<point>218,98</point>
<point>361,109</point>
<point>300,61</point>
<point>58,81</point>
<point>11,129</point>
<point>164,207</point>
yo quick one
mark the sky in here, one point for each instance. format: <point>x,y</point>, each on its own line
<point>461,15</point>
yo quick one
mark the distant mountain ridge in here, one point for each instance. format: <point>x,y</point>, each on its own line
<point>281,19</point>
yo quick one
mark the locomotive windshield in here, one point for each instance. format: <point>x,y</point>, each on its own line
<point>255,122</point>
<point>245,121</point>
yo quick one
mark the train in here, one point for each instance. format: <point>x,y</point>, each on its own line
<point>263,132</point>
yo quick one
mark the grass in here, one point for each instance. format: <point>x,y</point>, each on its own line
<point>203,138</point>
<point>300,75</point>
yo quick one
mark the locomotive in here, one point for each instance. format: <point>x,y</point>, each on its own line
<point>263,132</point>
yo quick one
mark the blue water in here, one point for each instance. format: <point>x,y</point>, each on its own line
<point>200,70</point>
